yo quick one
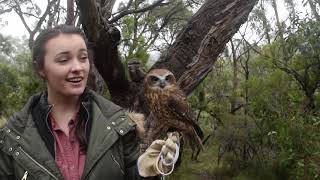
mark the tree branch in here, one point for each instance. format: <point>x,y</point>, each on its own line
<point>39,23</point>
<point>5,11</point>
<point>166,20</point>
<point>18,10</point>
<point>103,41</point>
<point>190,59</point>
<point>127,12</point>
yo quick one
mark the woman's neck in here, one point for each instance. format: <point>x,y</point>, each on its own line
<point>64,108</point>
<point>65,103</point>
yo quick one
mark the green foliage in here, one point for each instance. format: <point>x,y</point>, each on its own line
<point>8,85</point>
<point>153,30</point>
<point>132,44</point>
<point>298,139</point>
<point>17,81</point>
<point>274,137</point>
<point>270,136</point>
<point>6,48</point>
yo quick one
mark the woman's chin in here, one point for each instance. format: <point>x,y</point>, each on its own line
<point>75,91</point>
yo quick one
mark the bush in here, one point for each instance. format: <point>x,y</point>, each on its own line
<point>298,139</point>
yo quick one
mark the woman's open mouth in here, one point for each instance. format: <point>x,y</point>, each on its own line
<point>75,79</point>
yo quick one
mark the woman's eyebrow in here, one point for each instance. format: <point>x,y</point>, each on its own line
<point>62,53</point>
<point>83,49</point>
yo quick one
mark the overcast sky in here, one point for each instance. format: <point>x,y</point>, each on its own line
<point>15,27</point>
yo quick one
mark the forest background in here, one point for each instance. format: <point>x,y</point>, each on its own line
<point>259,104</point>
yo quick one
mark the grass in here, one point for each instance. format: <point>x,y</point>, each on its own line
<point>206,168</point>
<point>200,169</point>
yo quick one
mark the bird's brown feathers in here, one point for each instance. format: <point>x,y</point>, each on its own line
<point>170,107</point>
<point>139,120</point>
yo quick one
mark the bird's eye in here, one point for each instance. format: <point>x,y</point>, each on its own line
<point>168,78</point>
<point>154,79</point>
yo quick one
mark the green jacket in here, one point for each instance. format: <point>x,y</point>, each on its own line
<point>112,148</point>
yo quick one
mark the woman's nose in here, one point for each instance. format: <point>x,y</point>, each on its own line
<point>76,65</point>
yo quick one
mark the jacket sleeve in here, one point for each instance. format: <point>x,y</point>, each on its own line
<point>131,152</point>
<point>6,170</point>
<point>131,148</point>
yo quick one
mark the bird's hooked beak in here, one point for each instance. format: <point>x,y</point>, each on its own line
<point>162,83</point>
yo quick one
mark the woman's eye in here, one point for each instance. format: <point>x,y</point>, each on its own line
<point>84,58</point>
<point>62,60</point>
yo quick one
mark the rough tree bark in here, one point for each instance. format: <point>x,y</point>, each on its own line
<point>190,58</point>
<point>70,12</point>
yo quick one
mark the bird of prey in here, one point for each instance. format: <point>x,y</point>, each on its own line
<point>170,109</point>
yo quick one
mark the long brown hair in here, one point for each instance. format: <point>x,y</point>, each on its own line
<point>38,54</point>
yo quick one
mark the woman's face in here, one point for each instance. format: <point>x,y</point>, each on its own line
<point>66,65</point>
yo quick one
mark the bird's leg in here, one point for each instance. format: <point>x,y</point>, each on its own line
<point>152,134</point>
<point>189,135</point>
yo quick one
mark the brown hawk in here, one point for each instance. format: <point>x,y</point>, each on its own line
<point>168,104</point>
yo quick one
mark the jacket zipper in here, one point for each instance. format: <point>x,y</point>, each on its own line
<point>54,144</point>
<point>114,159</point>
<point>85,132</point>
<point>46,170</point>
<point>85,126</point>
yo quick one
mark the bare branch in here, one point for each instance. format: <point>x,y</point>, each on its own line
<point>124,9</point>
<point>165,22</point>
<point>18,10</point>
<point>39,23</point>
<point>127,12</point>
<point>5,11</point>
<point>31,15</point>
<point>253,48</point>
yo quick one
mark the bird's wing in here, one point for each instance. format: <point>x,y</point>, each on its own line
<point>139,121</point>
<point>179,105</point>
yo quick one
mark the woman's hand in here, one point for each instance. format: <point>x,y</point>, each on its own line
<point>150,159</point>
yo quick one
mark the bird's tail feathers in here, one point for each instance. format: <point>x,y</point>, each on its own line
<point>193,140</point>
<point>198,131</point>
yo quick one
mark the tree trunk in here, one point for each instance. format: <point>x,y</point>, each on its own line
<point>265,23</point>
<point>245,67</point>
<point>292,10</point>
<point>52,14</point>
<point>310,101</point>
<point>200,43</point>
<point>235,80</point>
<point>190,58</point>
<point>314,10</point>
<point>280,29</point>
<point>70,12</point>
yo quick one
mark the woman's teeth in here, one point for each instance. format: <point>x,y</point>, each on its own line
<point>75,80</point>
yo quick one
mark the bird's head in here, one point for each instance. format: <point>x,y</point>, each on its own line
<point>159,79</point>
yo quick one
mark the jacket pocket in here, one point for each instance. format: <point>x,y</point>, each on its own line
<point>117,162</point>
<point>29,164</point>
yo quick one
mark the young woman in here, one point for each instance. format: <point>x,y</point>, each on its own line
<point>69,132</point>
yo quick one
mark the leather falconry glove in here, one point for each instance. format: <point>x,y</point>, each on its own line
<point>148,160</point>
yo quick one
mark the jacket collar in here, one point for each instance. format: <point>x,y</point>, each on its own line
<point>108,121</point>
<point>40,113</point>
<point>109,124</point>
